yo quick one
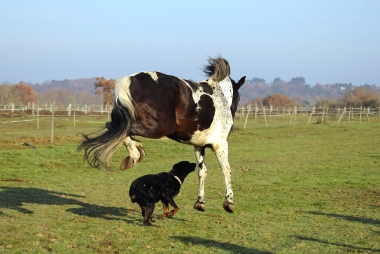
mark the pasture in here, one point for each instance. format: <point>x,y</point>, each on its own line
<point>298,189</point>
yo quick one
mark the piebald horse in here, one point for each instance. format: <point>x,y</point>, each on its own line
<point>154,105</point>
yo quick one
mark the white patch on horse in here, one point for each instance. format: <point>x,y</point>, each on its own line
<point>153,74</point>
<point>195,94</point>
<point>222,122</point>
<point>123,94</point>
<point>226,86</point>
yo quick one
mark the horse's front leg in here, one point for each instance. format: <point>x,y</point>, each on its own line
<point>221,152</point>
<point>202,173</point>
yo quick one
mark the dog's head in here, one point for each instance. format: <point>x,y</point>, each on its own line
<point>182,169</point>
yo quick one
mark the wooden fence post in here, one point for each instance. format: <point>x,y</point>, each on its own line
<point>323,113</point>
<point>311,114</point>
<point>52,123</point>
<point>265,118</point>
<point>75,110</point>
<point>38,114</point>
<point>291,117</point>
<point>349,114</point>
<point>368,112</point>
<point>270,112</point>
<point>360,114</point>
<point>246,117</point>
<point>340,118</point>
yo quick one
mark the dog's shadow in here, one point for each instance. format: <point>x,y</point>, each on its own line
<point>16,197</point>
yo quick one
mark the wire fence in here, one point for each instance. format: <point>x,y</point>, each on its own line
<point>321,114</point>
<point>270,115</point>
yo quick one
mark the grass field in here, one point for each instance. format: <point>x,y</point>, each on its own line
<point>298,189</point>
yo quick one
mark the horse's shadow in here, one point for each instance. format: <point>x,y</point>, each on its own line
<point>15,197</point>
<point>233,248</point>
<point>370,221</point>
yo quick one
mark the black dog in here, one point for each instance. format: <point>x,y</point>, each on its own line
<point>149,189</point>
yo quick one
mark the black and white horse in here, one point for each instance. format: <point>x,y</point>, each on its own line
<point>154,105</point>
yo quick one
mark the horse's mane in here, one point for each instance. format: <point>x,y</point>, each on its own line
<point>217,68</point>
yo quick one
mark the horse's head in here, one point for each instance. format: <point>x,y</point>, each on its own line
<point>236,96</point>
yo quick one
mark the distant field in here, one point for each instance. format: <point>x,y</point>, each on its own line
<point>298,189</point>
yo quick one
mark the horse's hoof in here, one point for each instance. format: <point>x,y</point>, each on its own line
<point>199,206</point>
<point>229,207</point>
<point>126,163</point>
<point>142,153</point>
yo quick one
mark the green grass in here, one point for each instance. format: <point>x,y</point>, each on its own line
<point>298,189</point>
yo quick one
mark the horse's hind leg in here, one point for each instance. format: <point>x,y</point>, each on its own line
<point>135,150</point>
<point>139,147</point>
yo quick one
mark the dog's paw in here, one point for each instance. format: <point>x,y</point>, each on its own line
<point>148,223</point>
<point>161,216</point>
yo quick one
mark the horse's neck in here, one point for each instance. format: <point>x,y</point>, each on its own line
<point>226,87</point>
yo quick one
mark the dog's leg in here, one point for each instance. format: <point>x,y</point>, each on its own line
<point>221,152</point>
<point>148,214</point>
<point>202,173</point>
<point>143,210</point>
<point>165,205</point>
<point>174,205</point>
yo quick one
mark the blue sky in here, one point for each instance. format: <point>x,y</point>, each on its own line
<point>323,41</point>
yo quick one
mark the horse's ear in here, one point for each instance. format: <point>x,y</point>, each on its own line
<point>240,83</point>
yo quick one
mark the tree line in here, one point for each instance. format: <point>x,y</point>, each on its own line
<point>256,91</point>
<point>298,92</point>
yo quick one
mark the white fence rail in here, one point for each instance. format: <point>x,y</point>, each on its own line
<point>31,108</point>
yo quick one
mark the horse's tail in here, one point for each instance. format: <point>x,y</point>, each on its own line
<point>98,150</point>
<point>123,96</point>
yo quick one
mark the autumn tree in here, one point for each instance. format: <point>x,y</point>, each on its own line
<point>26,93</point>
<point>8,94</point>
<point>360,96</point>
<point>106,88</point>
<point>277,100</point>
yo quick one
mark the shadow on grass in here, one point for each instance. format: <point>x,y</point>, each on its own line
<point>233,248</point>
<point>15,197</point>
<point>349,218</point>
<point>348,246</point>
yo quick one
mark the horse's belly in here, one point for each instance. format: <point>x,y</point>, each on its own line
<point>214,134</point>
